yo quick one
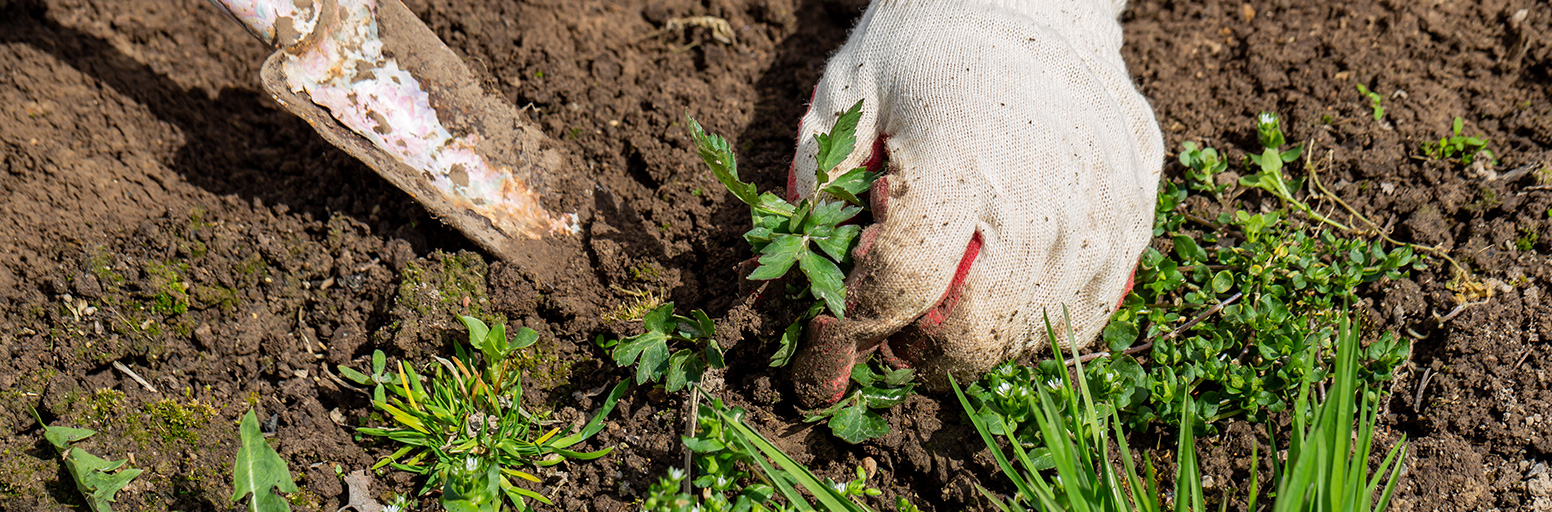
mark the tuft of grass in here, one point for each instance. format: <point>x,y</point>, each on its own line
<point>464,427</point>
<point>1328,459</point>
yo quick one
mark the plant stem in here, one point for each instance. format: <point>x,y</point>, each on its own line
<point>1171,335</point>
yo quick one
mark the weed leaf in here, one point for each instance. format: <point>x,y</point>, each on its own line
<point>778,257</point>
<point>836,146</point>
<point>855,424</point>
<point>714,150</point>
<point>258,469</point>
<point>826,281</point>
<point>789,344</point>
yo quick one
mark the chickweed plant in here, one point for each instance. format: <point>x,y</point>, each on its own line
<point>465,429</point>
<point>1295,277</point>
<point>1078,434</point>
<point>1460,148</point>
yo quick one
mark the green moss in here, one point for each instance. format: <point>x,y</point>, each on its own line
<point>100,264</point>
<point>177,422</point>
<point>169,294</point>
<point>542,365</point>
<point>253,265</point>
<point>1527,240</point>
<point>223,297</point>
<point>451,283</point>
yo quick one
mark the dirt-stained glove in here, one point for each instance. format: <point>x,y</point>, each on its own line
<point>1021,171</point>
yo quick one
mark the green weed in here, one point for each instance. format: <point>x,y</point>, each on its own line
<point>259,469</point>
<point>1375,100</point>
<point>94,477</point>
<point>809,234</point>
<point>853,418</point>
<point>1528,238</point>
<point>464,428</point>
<point>649,351</point>
<point>1459,147</point>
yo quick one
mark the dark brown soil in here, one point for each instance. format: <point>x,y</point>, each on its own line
<point>230,257</point>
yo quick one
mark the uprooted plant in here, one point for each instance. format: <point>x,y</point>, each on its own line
<point>814,235</point>
<point>465,428</point>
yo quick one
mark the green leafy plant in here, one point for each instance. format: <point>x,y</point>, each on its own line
<point>738,469</point>
<point>853,418</point>
<point>379,378</point>
<point>94,477</point>
<point>1328,462</point>
<point>1288,280</point>
<point>1375,100</point>
<point>258,470</point>
<point>1270,177</point>
<point>649,351</point>
<point>1077,433</point>
<point>810,234</point>
<point>1459,147</point>
<point>465,429</point>
<point>1202,164</point>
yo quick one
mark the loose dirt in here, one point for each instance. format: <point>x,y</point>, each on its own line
<point>161,212</point>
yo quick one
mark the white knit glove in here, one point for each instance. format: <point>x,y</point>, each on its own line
<point>1022,168</point>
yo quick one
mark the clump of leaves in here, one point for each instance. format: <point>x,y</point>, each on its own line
<point>258,470</point>
<point>379,378</point>
<point>649,351</point>
<point>811,233</point>
<point>1528,238</point>
<point>465,428</point>
<point>738,469</point>
<point>1375,100</point>
<point>1295,279</point>
<point>853,418</point>
<point>1459,147</point>
<point>94,477</point>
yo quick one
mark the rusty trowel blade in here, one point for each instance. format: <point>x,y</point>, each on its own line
<point>489,174</point>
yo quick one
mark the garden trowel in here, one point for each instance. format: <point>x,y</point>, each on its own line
<point>374,80</point>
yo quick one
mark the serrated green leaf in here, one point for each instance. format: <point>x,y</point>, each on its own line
<point>683,368</point>
<point>825,281</point>
<point>718,155</point>
<point>840,142</point>
<point>857,423</point>
<point>836,242</point>
<point>660,319</point>
<point>258,470</point>
<point>654,361</point>
<point>629,349</point>
<point>778,256</point>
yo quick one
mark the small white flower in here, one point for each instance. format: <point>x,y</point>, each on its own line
<point>1054,384</point>
<point>471,464</point>
<point>1267,118</point>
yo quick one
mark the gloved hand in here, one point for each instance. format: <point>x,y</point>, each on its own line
<point>1022,167</point>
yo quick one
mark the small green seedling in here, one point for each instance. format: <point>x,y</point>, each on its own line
<point>1457,146</point>
<point>649,350</point>
<point>93,476</point>
<point>379,377</point>
<point>811,233</point>
<point>258,470</point>
<point>852,419</point>
<point>1202,164</point>
<point>465,428</point>
<point>1270,162</point>
<point>1375,100</point>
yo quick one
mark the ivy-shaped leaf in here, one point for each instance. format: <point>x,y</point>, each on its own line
<point>856,423</point>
